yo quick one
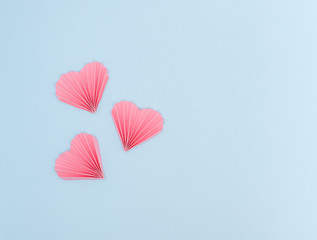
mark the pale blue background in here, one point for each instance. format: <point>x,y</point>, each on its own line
<point>236,82</point>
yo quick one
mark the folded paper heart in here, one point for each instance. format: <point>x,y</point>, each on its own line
<point>135,126</point>
<point>83,89</point>
<point>83,161</point>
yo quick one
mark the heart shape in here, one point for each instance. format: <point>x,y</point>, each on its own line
<point>83,89</point>
<point>135,126</point>
<point>83,161</point>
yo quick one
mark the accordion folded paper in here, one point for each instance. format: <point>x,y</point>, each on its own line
<point>83,161</point>
<point>83,89</point>
<point>135,126</point>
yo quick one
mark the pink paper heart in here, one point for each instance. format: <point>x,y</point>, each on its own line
<point>83,161</point>
<point>135,126</point>
<point>83,89</point>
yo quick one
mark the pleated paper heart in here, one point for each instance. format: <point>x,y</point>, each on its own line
<point>83,161</point>
<point>83,89</point>
<point>135,126</point>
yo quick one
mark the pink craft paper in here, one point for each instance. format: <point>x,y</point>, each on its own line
<point>83,89</point>
<point>83,161</point>
<point>135,126</point>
